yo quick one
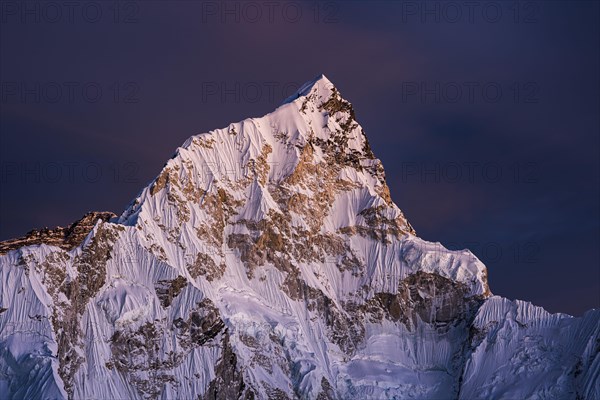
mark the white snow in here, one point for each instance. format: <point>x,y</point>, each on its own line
<point>513,349</point>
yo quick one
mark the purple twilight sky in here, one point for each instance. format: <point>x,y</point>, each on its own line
<point>485,114</point>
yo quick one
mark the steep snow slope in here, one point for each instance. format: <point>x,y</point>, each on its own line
<point>268,260</point>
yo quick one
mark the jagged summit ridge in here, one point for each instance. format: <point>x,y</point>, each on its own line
<point>320,84</point>
<point>64,237</point>
<point>268,260</point>
<point>270,149</point>
<point>294,163</point>
<point>317,116</point>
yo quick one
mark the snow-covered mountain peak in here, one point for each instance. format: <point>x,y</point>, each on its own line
<point>268,260</point>
<point>303,173</point>
<point>321,86</point>
<point>320,98</point>
<point>317,128</point>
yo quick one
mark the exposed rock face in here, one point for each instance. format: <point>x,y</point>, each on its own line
<point>267,260</point>
<point>229,381</point>
<point>166,290</point>
<point>65,238</point>
<point>425,297</point>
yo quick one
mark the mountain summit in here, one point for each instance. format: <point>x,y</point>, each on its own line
<point>267,260</point>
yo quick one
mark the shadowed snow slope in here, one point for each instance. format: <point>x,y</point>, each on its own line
<point>267,260</point>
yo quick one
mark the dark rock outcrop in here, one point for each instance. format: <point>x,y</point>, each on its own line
<point>67,238</point>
